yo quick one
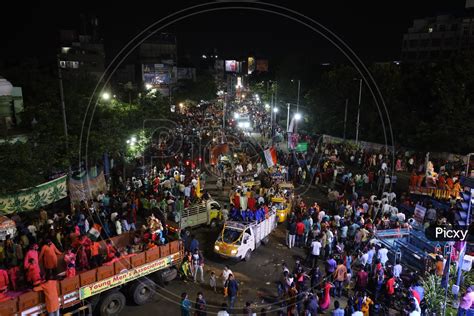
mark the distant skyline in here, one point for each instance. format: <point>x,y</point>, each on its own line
<point>373,30</point>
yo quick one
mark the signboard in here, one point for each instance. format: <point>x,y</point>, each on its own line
<point>250,65</point>
<point>156,74</point>
<point>419,213</point>
<point>231,66</point>
<point>124,277</point>
<point>302,147</point>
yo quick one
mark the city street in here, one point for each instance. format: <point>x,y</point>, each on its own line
<point>251,158</point>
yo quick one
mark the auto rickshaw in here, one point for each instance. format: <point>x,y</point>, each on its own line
<point>283,208</point>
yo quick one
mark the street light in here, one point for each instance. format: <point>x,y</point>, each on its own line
<point>275,110</point>
<point>358,109</point>
<point>267,106</point>
<point>297,116</point>
<point>105,96</point>
<point>236,115</point>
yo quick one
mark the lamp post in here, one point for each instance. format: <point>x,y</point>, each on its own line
<point>358,110</point>
<point>288,117</point>
<point>63,105</point>
<point>467,165</point>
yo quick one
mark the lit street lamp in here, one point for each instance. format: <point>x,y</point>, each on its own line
<point>298,116</point>
<point>105,96</point>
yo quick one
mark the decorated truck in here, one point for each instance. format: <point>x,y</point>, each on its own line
<point>103,290</point>
<point>238,239</point>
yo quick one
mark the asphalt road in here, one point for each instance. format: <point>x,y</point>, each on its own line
<point>257,278</point>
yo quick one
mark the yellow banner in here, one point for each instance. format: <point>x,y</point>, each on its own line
<point>124,277</point>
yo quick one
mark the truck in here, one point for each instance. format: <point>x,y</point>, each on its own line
<point>204,213</point>
<point>104,290</point>
<point>237,240</point>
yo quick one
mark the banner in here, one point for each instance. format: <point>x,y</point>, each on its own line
<point>124,277</point>
<point>302,147</point>
<point>86,187</point>
<point>419,213</point>
<point>34,198</point>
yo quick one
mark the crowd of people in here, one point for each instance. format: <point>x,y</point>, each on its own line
<point>343,258</point>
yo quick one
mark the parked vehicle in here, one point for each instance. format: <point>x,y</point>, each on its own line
<point>207,212</point>
<point>238,239</point>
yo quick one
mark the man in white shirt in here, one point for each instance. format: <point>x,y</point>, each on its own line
<point>225,274</point>
<point>401,217</point>
<point>363,259</point>
<point>397,270</point>
<point>315,252</point>
<point>383,255</point>
<point>223,310</point>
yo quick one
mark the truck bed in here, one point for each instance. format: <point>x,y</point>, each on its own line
<point>89,283</point>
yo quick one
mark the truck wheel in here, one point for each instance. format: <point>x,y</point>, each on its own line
<point>266,240</point>
<point>166,275</point>
<point>248,255</point>
<point>142,291</point>
<point>112,304</point>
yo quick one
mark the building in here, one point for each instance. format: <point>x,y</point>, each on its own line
<point>439,37</point>
<point>158,60</point>
<point>82,50</point>
<point>11,107</point>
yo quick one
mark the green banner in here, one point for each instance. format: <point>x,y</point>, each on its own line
<point>302,147</point>
<point>34,198</point>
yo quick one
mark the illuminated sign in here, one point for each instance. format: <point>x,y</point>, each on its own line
<point>250,65</point>
<point>231,66</point>
<point>124,277</point>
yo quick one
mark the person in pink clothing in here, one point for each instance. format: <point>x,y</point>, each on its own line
<point>33,272</point>
<point>467,301</point>
<point>4,280</point>
<point>32,253</point>
<point>69,256</point>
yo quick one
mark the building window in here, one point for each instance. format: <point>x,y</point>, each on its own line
<point>442,28</point>
<point>454,27</point>
<point>62,64</point>
<point>424,42</point>
<point>448,41</point>
<point>430,30</point>
<point>404,43</point>
<point>435,42</point>
<point>423,54</point>
<point>75,64</point>
<point>413,43</point>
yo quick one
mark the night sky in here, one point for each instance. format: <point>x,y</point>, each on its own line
<point>373,29</point>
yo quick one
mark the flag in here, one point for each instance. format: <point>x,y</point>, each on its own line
<point>270,157</point>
